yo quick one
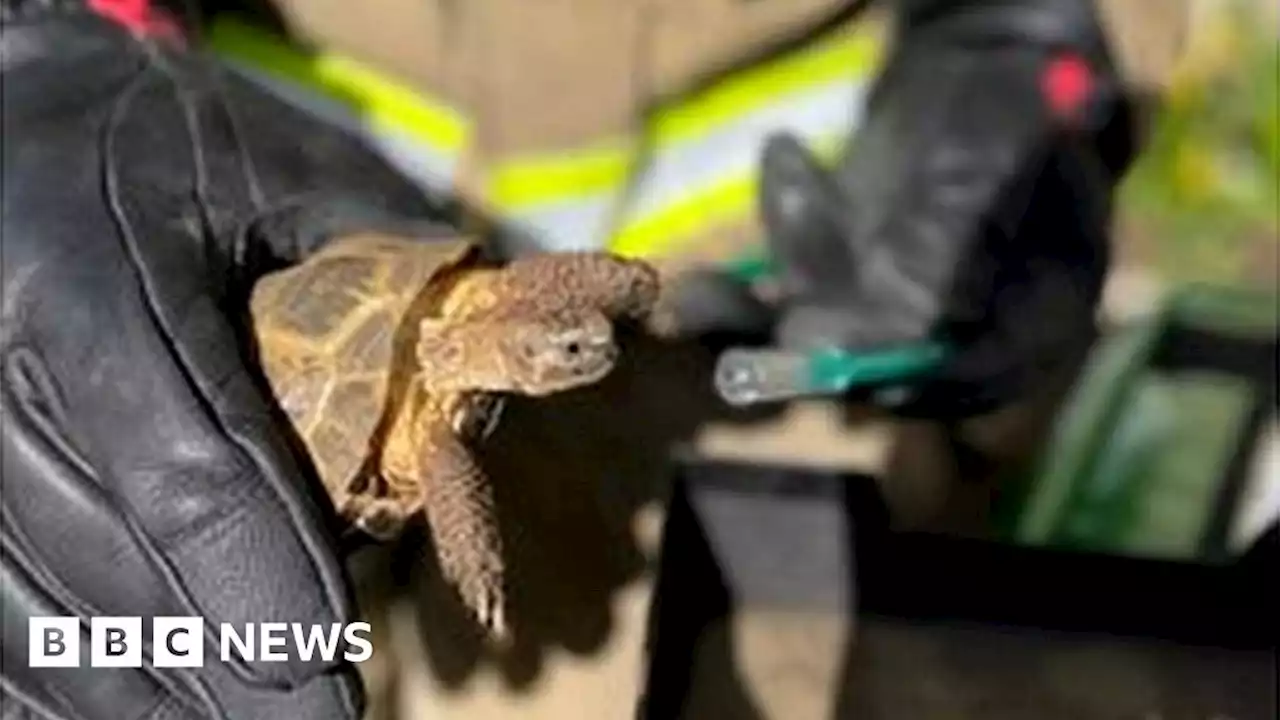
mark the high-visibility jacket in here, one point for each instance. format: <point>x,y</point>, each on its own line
<point>634,124</point>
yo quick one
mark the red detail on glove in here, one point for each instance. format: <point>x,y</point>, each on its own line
<point>1067,83</point>
<point>138,16</point>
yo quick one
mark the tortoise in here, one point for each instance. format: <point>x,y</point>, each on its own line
<point>392,358</point>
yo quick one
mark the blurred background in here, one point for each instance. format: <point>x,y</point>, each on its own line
<point>1200,204</point>
<point>1092,555</point>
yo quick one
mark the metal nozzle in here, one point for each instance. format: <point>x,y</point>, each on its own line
<point>747,377</point>
<point>750,376</point>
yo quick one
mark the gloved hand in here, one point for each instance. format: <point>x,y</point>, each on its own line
<point>143,471</point>
<point>971,207</point>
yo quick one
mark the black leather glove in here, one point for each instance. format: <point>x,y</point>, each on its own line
<point>971,207</point>
<point>144,473</point>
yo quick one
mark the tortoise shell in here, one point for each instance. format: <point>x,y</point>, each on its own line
<point>329,334</point>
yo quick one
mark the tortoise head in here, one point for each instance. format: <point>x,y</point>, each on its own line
<point>537,354</point>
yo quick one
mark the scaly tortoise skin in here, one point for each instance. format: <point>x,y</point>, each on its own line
<point>391,358</point>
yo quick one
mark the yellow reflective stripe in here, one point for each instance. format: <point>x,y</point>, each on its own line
<point>553,182</point>
<point>730,200</point>
<point>848,53</point>
<point>375,96</point>
<point>532,181</point>
<point>676,170</point>
<point>566,175</point>
<point>688,126</point>
<point>428,166</point>
<point>579,224</point>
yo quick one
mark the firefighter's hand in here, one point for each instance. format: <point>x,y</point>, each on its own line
<point>143,474</point>
<point>971,208</point>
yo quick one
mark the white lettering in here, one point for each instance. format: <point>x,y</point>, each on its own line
<point>231,637</point>
<point>53,642</point>
<point>177,642</point>
<point>115,642</point>
<point>352,638</point>
<point>272,637</point>
<point>306,647</point>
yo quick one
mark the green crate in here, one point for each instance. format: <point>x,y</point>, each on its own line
<point>1149,456</point>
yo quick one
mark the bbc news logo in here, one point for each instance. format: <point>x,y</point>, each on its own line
<point>179,642</point>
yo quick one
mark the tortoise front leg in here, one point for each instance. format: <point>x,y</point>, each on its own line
<point>459,505</point>
<point>616,286</point>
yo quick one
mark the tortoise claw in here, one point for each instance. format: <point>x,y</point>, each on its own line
<point>380,518</point>
<point>492,616</point>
